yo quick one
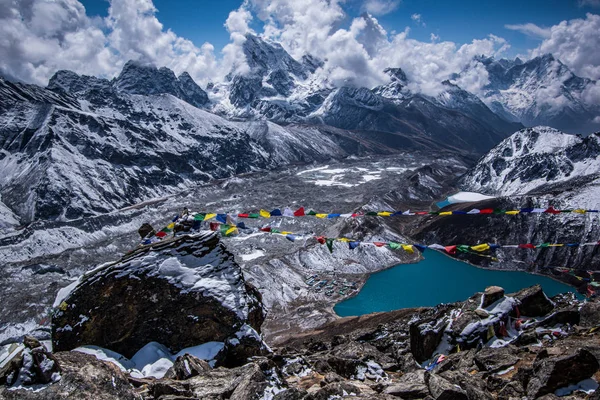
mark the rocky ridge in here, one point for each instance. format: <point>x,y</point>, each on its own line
<point>490,346</point>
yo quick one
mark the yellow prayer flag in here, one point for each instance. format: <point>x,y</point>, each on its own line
<point>209,216</point>
<point>445,213</point>
<point>579,211</point>
<point>321,215</point>
<point>513,212</point>
<point>230,231</point>
<point>556,245</point>
<point>408,248</point>
<point>171,225</point>
<point>286,233</point>
<point>384,214</point>
<point>265,214</point>
<point>481,247</point>
<point>344,239</point>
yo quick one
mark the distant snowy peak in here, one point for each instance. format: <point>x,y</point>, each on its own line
<point>532,158</point>
<point>540,91</point>
<point>135,78</point>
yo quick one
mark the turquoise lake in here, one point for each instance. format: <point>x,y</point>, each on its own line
<point>437,279</point>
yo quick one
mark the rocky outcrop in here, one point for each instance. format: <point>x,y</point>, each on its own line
<point>369,357</point>
<point>180,293</point>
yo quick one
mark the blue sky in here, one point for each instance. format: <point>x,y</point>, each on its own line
<point>457,21</point>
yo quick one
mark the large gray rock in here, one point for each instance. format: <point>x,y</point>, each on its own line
<point>496,359</point>
<point>82,377</point>
<point>425,338</point>
<point>491,295</point>
<point>552,373</point>
<point>533,302</point>
<point>442,389</point>
<point>590,314</point>
<point>179,293</point>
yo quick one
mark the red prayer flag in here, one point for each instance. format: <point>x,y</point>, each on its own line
<point>266,229</point>
<point>379,244</point>
<point>421,213</point>
<point>486,211</point>
<point>552,211</point>
<point>450,249</point>
<point>214,226</point>
<point>321,239</point>
<point>299,212</point>
<point>161,234</point>
<point>526,246</point>
<point>243,215</point>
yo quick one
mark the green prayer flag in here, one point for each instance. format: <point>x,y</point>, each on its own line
<point>394,245</point>
<point>371,213</point>
<point>462,248</point>
<point>199,217</point>
<point>311,212</point>
<point>329,243</point>
<point>544,245</point>
<point>224,228</point>
<point>253,215</point>
<point>273,230</point>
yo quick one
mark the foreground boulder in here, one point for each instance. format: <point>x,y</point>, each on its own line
<point>180,293</point>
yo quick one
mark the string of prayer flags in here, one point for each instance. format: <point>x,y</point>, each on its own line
<point>300,212</point>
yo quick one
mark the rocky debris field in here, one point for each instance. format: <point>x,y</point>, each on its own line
<point>490,346</point>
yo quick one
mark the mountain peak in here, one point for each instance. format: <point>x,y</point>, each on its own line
<point>146,79</point>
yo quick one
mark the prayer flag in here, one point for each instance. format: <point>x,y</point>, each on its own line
<point>290,237</point>
<point>408,248</point>
<point>276,213</point>
<point>199,217</point>
<point>527,246</point>
<point>474,211</point>
<point>266,229</point>
<point>552,211</point>
<point>371,213</point>
<point>288,212</point>
<point>384,213</point>
<point>253,215</point>
<point>450,249</point>
<point>171,226</point>
<point>512,212</point>
<point>321,239</point>
<point>481,247</point>
<point>209,216</point>
<point>333,215</point>
<point>241,225</point>
<point>379,244</point>
<point>321,215</point>
<point>486,211</point>
<point>243,215</point>
<point>214,226</point>
<point>445,213</point>
<point>353,245</point>
<point>579,211</point>
<point>311,212</point>
<point>394,245</point>
<point>329,243</point>
<point>231,231</point>
<point>420,247</point>
<point>265,214</point>
<point>299,212</point>
<point>459,212</point>
<point>175,218</point>
<point>161,234</point>
<point>222,218</point>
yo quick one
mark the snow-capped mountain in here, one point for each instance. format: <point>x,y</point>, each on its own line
<point>533,158</point>
<point>86,146</point>
<point>534,168</point>
<point>541,91</point>
<point>283,90</point>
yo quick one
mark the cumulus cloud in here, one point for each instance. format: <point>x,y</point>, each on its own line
<point>433,37</point>
<point>530,30</point>
<point>418,19</point>
<point>380,7</point>
<point>39,37</point>
<point>238,25</point>
<point>575,43</point>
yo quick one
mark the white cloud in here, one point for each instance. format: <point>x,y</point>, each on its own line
<point>418,18</point>
<point>39,37</point>
<point>433,37</point>
<point>590,3</point>
<point>575,43</point>
<point>237,25</point>
<point>380,7</point>
<point>530,30</point>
